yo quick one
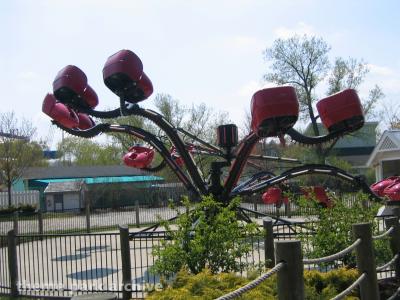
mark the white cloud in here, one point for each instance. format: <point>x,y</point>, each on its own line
<point>247,90</point>
<point>380,70</point>
<point>301,28</point>
<point>386,77</point>
<point>391,85</point>
<point>245,43</point>
<point>28,75</point>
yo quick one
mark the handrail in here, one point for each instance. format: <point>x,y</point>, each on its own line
<point>394,296</point>
<point>333,256</point>
<point>386,233</point>
<point>388,264</point>
<point>347,291</point>
<point>251,285</point>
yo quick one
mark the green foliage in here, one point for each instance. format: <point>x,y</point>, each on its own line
<point>83,152</point>
<point>8,210</point>
<point>17,150</point>
<point>334,228</point>
<point>209,236</point>
<point>206,285</point>
<point>23,208</point>
<point>28,208</point>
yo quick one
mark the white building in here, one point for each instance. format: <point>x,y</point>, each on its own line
<point>386,156</point>
<point>65,196</point>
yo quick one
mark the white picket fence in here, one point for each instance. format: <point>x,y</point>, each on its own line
<point>27,197</point>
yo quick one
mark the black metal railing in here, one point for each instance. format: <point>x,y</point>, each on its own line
<point>68,264</point>
<point>4,270</point>
<point>64,264</point>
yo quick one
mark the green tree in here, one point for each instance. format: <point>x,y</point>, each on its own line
<point>350,73</point>
<point>210,236</point>
<point>303,62</point>
<point>17,151</point>
<point>333,231</point>
<point>83,152</point>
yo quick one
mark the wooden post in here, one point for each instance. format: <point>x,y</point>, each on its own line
<point>366,261</point>
<point>269,248</point>
<point>126,262</point>
<point>277,211</point>
<point>288,211</point>
<point>137,208</point>
<point>255,206</point>
<point>394,241</point>
<point>396,212</point>
<point>40,221</point>
<point>15,222</point>
<point>290,277</point>
<point>87,213</point>
<point>13,262</point>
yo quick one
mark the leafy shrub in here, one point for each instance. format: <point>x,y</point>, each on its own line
<point>8,210</point>
<point>24,208</point>
<point>206,285</point>
<point>209,236</point>
<point>27,208</point>
<point>333,230</point>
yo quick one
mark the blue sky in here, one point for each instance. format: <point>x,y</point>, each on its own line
<point>197,51</point>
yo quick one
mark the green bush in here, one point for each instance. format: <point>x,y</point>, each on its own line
<point>8,210</point>
<point>206,285</point>
<point>210,236</point>
<point>333,230</point>
<point>28,208</point>
<point>23,208</point>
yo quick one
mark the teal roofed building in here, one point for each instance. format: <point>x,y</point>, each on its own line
<point>355,147</point>
<point>105,186</point>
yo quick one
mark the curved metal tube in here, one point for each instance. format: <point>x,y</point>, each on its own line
<point>171,132</point>
<point>245,148</point>
<point>302,170</point>
<point>139,133</point>
<point>314,140</point>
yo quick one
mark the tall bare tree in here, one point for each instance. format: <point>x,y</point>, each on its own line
<point>350,74</point>
<point>17,151</point>
<point>301,62</point>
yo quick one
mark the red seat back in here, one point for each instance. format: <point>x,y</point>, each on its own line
<point>123,75</point>
<point>274,111</point>
<point>85,121</point>
<point>379,187</point>
<point>340,111</point>
<point>59,112</point>
<point>273,195</point>
<point>70,87</point>
<point>393,191</point>
<point>138,157</point>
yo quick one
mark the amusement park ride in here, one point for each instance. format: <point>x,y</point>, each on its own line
<point>274,112</point>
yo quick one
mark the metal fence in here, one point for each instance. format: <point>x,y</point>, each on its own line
<point>88,220</point>
<point>290,209</point>
<point>4,270</point>
<point>65,264</point>
<point>62,265</point>
<point>69,264</point>
<point>69,221</point>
